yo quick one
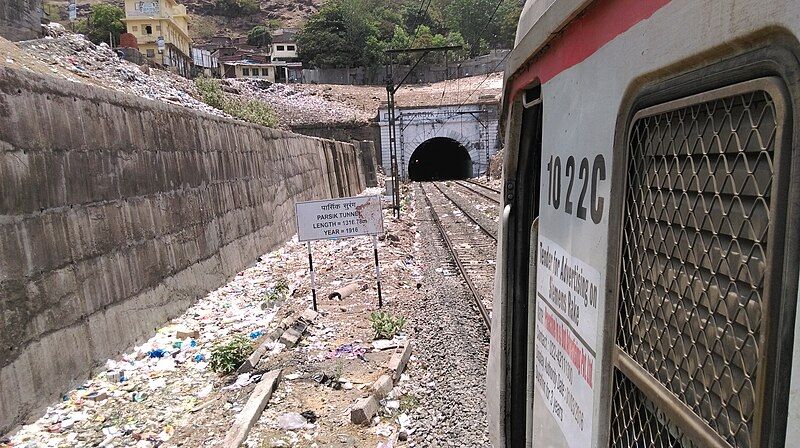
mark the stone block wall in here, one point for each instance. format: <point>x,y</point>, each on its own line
<point>116,213</point>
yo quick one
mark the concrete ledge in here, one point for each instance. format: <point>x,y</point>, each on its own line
<point>252,410</point>
<point>363,410</point>
<point>399,360</point>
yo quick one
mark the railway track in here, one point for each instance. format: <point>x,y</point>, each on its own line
<point>485,220</point>
<point>481,190</point>
<point>472,251</point>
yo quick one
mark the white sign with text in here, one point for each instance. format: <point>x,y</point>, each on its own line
<point>339,218</point>
<point>566,339</point>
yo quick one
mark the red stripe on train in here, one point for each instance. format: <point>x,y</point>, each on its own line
<point>598,25</point>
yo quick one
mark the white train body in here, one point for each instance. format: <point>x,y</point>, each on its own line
<point>647,272</point>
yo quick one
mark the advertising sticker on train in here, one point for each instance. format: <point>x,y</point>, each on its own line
<point>566,334</point>
<point>339,218</point>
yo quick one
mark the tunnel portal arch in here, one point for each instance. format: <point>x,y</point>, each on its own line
<point>440,158</point>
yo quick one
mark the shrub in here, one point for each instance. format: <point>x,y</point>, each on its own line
<point>385,325</point>
<point>259,36</point>
<point>226,358</point>
<point>210,92</point>
<point>277,292</point>
<point>253,111</point>
<point>237,7</point>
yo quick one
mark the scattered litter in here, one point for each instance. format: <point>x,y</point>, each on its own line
<point>256,334</point>
<point>205,391</point>
<point>385,344</point>
<point>157,353</point>
<point>241,381</point>
<point>349,351</point>
<point>310,416</point>
<point>291,421</point>
<point>392,405</point>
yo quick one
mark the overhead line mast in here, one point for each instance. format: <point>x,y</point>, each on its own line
<point>391,90</point>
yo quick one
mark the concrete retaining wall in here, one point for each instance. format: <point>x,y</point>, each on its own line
<point>20,19</point>
<point>116,213</point>
<point>344,132</point>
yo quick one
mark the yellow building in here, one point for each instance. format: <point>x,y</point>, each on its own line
<point>161,28</point>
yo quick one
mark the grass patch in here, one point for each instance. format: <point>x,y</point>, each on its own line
<point>277,293</point>
<point>408,402</point>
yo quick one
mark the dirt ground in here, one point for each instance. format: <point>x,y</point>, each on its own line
<point>474,89</point>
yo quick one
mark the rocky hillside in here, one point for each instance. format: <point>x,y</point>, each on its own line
<point>209,17</point>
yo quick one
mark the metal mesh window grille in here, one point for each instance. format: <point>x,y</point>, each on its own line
<point>637,422</point>
<point>694,260</point>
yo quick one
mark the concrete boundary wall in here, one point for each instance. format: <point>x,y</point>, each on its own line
<point>493,62</point>
<point>117,213</point>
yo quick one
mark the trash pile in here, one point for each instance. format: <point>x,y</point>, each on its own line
<point>142,397</point>
<point>73,57</point>
<point>165,393</point>
<point>82,61</point>
<point>297,108</point>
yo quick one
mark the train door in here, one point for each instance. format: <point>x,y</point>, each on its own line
<point>522,195</point>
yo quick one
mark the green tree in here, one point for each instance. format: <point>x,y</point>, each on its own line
<point>103,21</point>
<point>355,32</point>
<point>423,37</point>
<point>259,36</point>
<point>400,40</point>
<point>480,26</point>
<point>235,8</point>
<point>344,33</point>
<point>455,38</point>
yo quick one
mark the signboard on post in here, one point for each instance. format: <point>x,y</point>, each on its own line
<point>340,218</point>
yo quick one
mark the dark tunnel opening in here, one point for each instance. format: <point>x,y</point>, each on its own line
<point>440,158</point>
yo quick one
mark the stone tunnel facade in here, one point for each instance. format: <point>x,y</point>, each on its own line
<point>473,126</point>
<point>116,213</point>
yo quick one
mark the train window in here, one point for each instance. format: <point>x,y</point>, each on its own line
<point>693,329</point>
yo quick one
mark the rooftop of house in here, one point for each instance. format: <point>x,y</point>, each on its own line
<point>287,37</point>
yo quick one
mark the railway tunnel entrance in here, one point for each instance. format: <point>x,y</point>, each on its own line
<point>440,158</point>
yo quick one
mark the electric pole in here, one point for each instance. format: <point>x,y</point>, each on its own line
<point>391,90</point>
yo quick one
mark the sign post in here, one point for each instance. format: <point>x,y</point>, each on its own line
<point>340,218</point>
<point>377,270</point>
<point>313,277</point>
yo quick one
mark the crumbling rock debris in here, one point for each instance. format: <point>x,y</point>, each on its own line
<point>295,107</point>
<point>76,59</point>
<point>100,65</point>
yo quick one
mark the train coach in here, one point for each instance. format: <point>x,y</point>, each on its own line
<point>647,276</point>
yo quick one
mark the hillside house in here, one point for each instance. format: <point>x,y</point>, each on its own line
<point>161,28</point>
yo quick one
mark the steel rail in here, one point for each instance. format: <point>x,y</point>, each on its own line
<point>475,294</point>
<point>482,186</point>
<point>494,196</point>
<point>486,231</point>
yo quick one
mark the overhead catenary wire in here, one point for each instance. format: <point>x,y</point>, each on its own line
<point>460,64</point>
<point>483,81</point>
